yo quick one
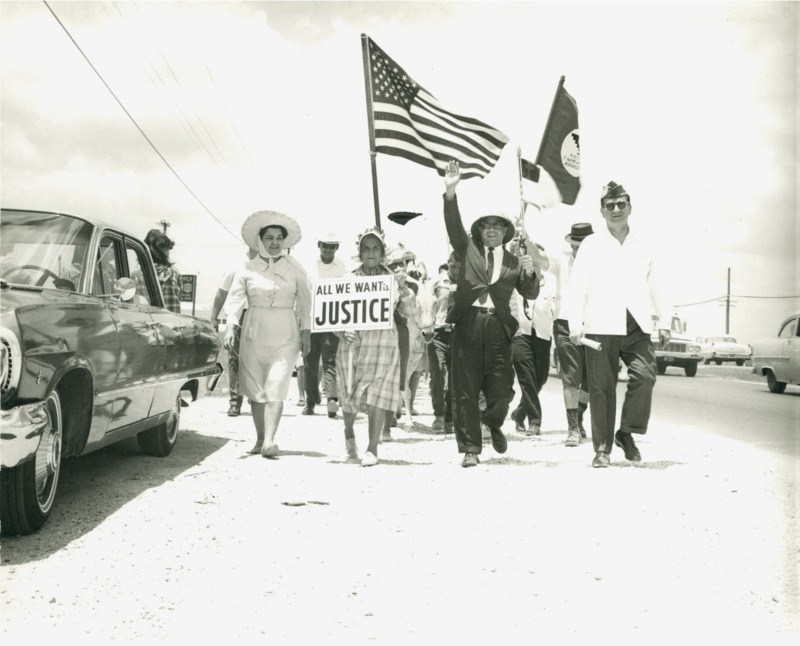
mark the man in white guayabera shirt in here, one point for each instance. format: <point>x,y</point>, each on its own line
<point>614,296</point>
<point>323,344</point>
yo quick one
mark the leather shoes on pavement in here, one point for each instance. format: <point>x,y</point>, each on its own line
<point>601,460</point>
<point>499,441</point>
<point>626,443</point>
<point>470,460</point>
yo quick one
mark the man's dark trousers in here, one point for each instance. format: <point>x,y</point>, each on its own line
<point>323,344</point>
<point>531,357</point>
<point>636,350</point>
<point>481,351</point>
<point>438,356</point>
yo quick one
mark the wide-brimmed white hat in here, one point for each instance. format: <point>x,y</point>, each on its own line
<point>260,219</point>
<point>510,229</point>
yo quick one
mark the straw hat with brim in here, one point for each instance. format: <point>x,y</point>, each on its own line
<point>510,230</point>
<point>260,219</point>
<point>578,232</point>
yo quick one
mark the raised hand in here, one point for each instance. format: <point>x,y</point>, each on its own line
<point>452,176</point>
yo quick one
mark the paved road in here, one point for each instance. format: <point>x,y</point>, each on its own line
<point>698,542</point>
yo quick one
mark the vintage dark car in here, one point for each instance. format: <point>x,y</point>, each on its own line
<point>778,358</point>
<point>89,356</point>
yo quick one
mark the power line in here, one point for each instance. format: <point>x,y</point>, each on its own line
<point>152,145</point>
<point>722,298</point>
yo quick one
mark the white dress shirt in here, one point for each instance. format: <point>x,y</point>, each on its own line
<point>609,278</point>
<point>498,265</point>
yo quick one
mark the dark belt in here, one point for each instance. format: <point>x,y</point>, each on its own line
<point>485,310</point>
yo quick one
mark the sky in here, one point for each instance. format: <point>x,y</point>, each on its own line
<point>200,113</point>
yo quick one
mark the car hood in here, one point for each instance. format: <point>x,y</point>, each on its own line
<point>14,297</point>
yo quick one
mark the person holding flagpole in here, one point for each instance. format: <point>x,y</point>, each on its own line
<point>483,323</point>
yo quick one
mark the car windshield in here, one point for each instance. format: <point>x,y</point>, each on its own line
<point>721,339</point>
<point>43,249</point>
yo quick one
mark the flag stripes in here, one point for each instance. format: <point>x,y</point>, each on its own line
<point>409,122</point>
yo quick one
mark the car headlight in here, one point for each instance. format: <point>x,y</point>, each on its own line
<point>10,362</point>
<point>694,348</point>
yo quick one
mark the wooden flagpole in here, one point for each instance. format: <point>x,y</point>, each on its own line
<point>371,125</point>
<point>549,122</point>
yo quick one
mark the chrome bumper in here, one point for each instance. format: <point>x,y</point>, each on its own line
<point>21,429</point>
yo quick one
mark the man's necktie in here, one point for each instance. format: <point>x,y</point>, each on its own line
<point>489,274</point>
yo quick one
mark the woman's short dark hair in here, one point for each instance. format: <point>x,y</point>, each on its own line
<point>263,230</point>
<point>160,246</point>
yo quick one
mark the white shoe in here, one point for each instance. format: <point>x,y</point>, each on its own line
<point>369,460</point>
<point>352,450</point>
<point>333,408</point>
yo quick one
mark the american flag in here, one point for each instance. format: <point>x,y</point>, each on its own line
<point>409,122</point>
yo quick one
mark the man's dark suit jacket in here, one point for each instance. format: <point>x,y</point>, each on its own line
<point>473,280</point>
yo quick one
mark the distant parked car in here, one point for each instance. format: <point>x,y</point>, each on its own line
<point>778,358</point>
<point>680,352</point>
<point>88,354</point>
<point>719,349</point>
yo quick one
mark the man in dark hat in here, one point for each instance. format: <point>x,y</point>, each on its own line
<point>483,322</point>
<point>615,294</point>
<point>570,357</point>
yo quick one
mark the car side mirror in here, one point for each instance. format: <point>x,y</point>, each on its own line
<point>125,289</point>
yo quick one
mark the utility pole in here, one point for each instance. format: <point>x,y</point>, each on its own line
<point>164,225</point>
<point>728,305</point>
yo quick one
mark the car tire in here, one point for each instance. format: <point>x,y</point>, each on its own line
<point>773,384</point>
<point>690,370</point>
<point>661,368</point>
<point>706,361</point>
<point>719,362</point>
<point>740,362</point>
<point>160,440</point>
<point>28,491</point>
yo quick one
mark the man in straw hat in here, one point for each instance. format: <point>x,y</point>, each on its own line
<point>614,294</point>
<point>570,357</point>
<point>323,344</point>
<point>484,324</point>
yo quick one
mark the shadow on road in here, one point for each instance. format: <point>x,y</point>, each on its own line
<point>93,487</point>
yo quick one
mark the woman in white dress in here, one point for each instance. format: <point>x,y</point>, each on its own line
<point>277,326</point>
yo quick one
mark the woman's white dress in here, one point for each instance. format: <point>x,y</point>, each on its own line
<point>278,302</point>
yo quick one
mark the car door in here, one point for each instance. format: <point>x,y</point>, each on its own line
<point>139,349</point>
<point>171,329</point>
<point>790,351</point>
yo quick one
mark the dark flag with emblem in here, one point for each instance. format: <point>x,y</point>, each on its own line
<point>560,152</point>
<point>407,121</point>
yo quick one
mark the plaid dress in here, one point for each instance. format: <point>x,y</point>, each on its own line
<point>368,369</point>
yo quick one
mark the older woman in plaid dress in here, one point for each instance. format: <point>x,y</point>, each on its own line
<point>368,363</point>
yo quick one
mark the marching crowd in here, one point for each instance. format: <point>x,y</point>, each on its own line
<point>490,315</point>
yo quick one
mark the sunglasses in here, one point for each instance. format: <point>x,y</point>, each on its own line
<point>493,225</point>
<point>609,206</point>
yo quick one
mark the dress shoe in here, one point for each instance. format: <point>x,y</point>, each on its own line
<point>499,441</point>
<point>626,443</point>
<point>601,460</point>
<point>470,460</point>
<point>573,437</point>
<point>307,410</point>
<point>448,427</point>
<point>369,459</point>
<point>233,411</point>
<point>438,423</point>
<point>533,429</point>
<point>270,451</point>
<point>333,408</point>
<point>518,419</point>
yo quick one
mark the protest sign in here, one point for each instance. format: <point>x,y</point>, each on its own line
<point>352,303</point>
